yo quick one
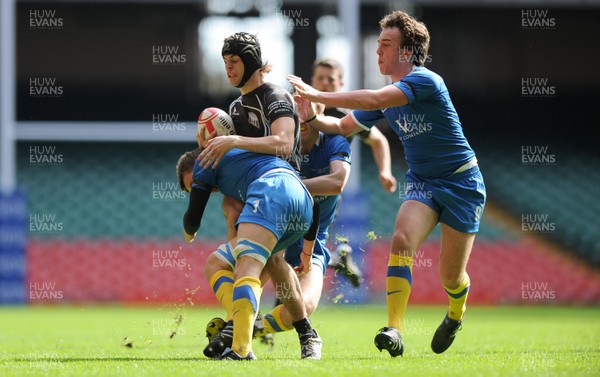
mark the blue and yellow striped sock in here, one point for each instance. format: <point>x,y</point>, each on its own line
<point>246,296</point>
<point>222,285</point>
<point>458,299</point>
<point>273,322</point>
<point>397,285</point>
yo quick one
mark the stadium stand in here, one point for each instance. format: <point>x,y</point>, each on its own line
<point>119,240</point>
<point>561,194</point>
<point>133,193</point>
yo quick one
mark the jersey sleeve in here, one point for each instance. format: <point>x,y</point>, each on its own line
<point>193,216</point>
<point>418,86</point>
<point>366,118</point>
<point>339,149</point>
<point>280,104</point>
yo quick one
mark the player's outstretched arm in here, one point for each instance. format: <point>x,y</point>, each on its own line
<point>381,153</point>
<point>326,124</point>
<point>362,99</point>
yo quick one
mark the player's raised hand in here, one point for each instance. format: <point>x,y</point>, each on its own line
<point>303,89</point>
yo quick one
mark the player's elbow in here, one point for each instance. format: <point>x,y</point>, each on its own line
<point>285,147</point>
<point>346,130</point>
<point>347,126</point>
<point>337,188</point>
<point>289,144</point>
<point>338,185</point>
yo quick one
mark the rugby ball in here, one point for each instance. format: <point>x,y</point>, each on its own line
<point>214,119</point>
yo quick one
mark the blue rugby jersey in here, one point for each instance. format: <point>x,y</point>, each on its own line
<point>428,126</point>
<point>327,148</point>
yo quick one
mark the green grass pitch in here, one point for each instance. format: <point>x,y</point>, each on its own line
<point>168,341</point>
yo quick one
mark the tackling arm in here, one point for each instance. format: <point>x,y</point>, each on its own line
<point>280,142</point>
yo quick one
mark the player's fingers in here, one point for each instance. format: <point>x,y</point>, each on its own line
<point>296,82</point>
<point>299,269</point>
<point>391,184</point>
<point>301,92</point>
<point>299,100</point>
<point>293,78</point>
<point>205,158</point>
<point>202,156</point>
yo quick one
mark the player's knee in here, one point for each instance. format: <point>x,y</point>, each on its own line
<point>312,286</point>
<point>310,304</point>
<point>247,266</point>
<point>402,244</point>
<point>212,265</point>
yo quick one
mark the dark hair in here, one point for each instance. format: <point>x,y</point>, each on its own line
<point>328,63</point>
<point>414,34</point>
<point>185,165</point>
